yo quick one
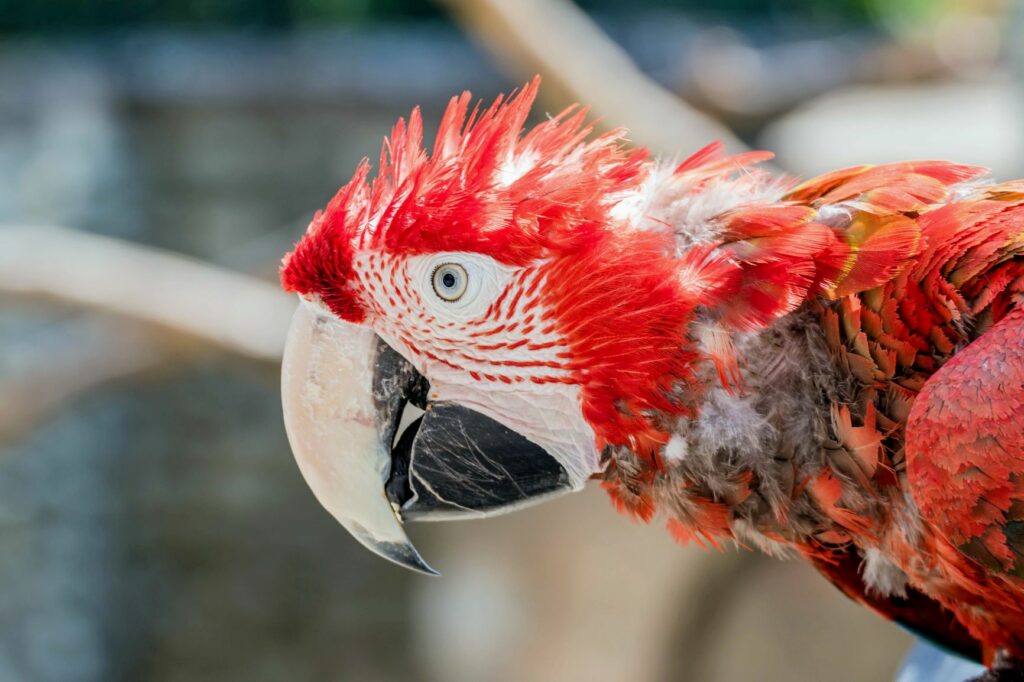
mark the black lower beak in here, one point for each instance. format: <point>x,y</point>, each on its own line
<point>454,463</point>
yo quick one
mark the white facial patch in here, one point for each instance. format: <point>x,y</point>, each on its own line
<point>485,280</point>
<point>483,339</point>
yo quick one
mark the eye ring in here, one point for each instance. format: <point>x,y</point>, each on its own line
<point>450,281</point>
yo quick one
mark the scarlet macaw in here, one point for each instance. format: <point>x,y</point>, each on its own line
<point>832,369</point>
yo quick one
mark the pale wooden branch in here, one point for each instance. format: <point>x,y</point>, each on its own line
<point>580,63</point>
<point>231,311</point>
<point>163,300</point>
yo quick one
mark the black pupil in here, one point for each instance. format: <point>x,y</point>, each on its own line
<point>448,280</point>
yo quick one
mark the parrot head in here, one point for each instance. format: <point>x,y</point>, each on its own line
<point>494,293</point>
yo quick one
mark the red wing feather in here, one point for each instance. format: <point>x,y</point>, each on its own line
<point>965,449</point>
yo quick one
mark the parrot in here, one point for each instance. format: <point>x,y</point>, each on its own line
<point>830,368</point>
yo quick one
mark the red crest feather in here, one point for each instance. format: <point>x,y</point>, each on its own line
<point>488,187</point>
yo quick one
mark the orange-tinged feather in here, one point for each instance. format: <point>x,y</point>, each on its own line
<point>882,247</point>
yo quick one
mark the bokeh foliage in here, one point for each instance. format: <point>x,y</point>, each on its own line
<point>17,16</point>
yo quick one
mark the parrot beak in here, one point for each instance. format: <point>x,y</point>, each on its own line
<point>340,432</point>
<point>344,391</point>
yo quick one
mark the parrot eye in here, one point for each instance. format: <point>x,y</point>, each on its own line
<point>450,281</point>
<point>464,283</point>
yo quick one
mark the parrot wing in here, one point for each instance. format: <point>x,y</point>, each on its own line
<point>965,431</point>
<point>951,269</point>
<point>965,449</point>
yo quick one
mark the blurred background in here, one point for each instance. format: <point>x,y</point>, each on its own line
<point>156,160</point>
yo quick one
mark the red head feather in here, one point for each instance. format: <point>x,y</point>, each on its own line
<point>522,197</point>
<point>487,188</point>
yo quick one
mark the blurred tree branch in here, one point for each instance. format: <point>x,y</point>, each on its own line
<point>230,311</point>
<point>169,306</point>
<point>580,63</point>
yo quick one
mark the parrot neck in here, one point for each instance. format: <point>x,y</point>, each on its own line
<point>748,464</point>
<point>754,442</point>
